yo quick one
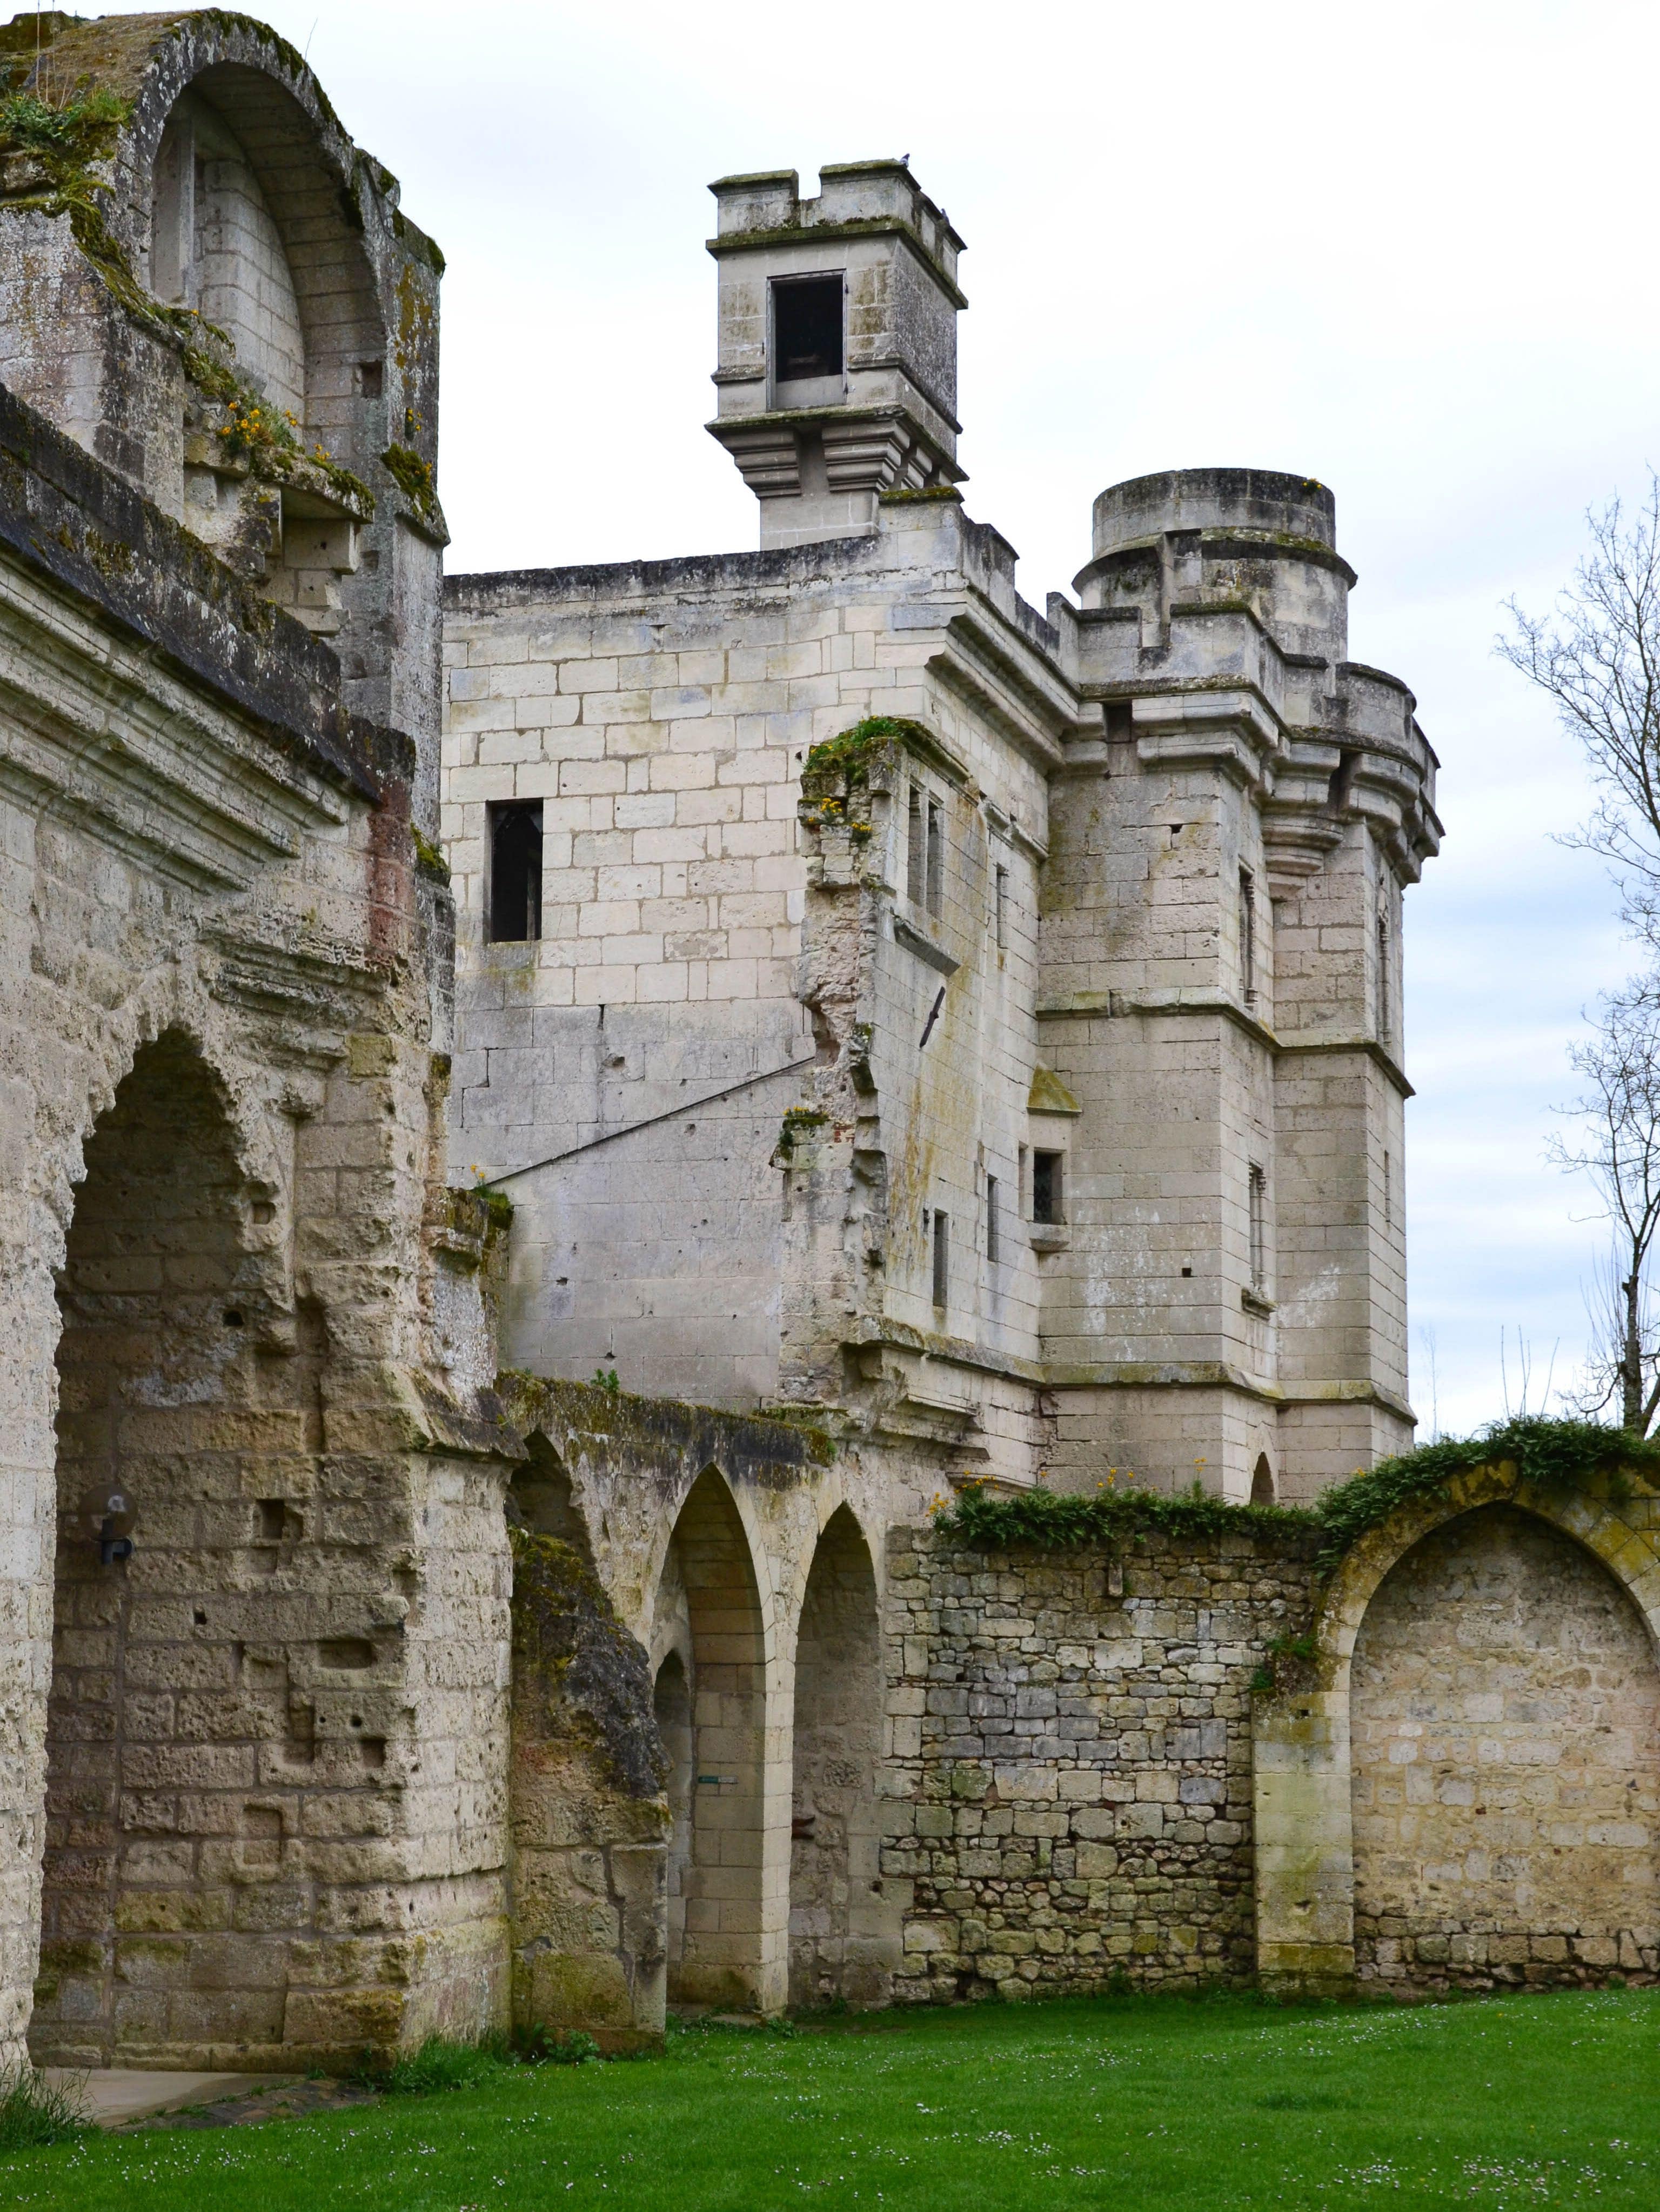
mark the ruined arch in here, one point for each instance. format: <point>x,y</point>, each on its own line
<point>843,1933</point>
<point>723,1942</point>
<point>273,202</point>
<point>1505,1745</point>
<point>1304,1809</point>
<point>179,1749</point>
<point>540,1497</point>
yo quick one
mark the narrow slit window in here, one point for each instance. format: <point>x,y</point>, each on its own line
<point>936,856</point>
<point>941,1257</point>
<point>806,328</point>
<point>913,860</point>
<point>1047,1193</point>
<point>515,872</point>
<point>1259,1226</point>
<point>991,1218</point>
<point>1384,994</point>
<point>1248,937</point>
<point>1020,1180</point>
<point>1001,907</point>
<point>1389,1192</point>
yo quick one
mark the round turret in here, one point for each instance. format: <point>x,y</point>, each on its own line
<point>1187,540</point>
<point>1214,499</point>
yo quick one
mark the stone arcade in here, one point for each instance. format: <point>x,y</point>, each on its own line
<point>902,1038</point>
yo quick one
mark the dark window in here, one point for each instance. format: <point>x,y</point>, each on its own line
<point>936,854</point>
<point>1001,907</point>
<point>1248,936</point>
<point>914,848</point>
<point>1046,1192</point>
<point>1384,980</point>
<point>370,378</point>
<point>991,1216</point>
<point>941,1257</point>
<point>515,872</point>
<point>806,328</point>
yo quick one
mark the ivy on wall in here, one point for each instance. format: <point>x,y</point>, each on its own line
<point>1550,1455</point>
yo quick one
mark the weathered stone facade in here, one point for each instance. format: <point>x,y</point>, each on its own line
<point>949,1041</point>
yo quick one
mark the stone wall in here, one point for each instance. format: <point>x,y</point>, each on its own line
<point>1505,1735</point>
<point>1070,1772</point>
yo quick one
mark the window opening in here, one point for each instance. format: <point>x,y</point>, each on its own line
<point>1259,1256</point>
<point>1262,1482</point>
<point>941,1257</point>
<point>515,878</point>
<point>370,378</point>
<point>1389,1193</point>
<point>914,848</point>
<point>1001,907</point>
<point>1046,1190</point>
<point>1248,936</point>
<point>936,856</point>
<point>806,328</point>
<point>991,1218</point>
<point>1020,1178</point>
<point>1383,1006</point>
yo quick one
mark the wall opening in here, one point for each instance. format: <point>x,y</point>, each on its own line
<point>806,327</point>
<point>539,1498</point>
<point>515,872</point>
<point>180,1755</point>
<point>1048,1194</point>
<point>1505,1730</point>
<point>843,1933</point>
<point>1262,1482</point>
<point>708,1605</point>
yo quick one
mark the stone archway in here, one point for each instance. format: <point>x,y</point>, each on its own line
<point>1303,1796</point>
<point>1504,1744</point>
<point>179,1754</point>
<point>725,1928</point>
<point>844,1938</point>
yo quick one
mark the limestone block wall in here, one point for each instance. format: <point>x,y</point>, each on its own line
<point>269,1788</point>
<point>627,1078</point>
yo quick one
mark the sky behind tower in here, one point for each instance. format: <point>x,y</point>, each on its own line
<point>1397,248</point>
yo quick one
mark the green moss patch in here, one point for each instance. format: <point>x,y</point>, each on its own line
<point>1551,1456</point>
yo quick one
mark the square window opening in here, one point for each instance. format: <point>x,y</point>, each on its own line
<point>1048,1169</point>
<point>806,328</point>
<point>514,854</point>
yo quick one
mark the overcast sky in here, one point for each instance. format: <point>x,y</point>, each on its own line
<point>1401,248</point>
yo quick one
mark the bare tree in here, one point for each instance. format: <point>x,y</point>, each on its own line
<point>1597,658</point>
<point>1618,1112</point>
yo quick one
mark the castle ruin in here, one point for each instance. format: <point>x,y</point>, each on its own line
<point>551,1120</point>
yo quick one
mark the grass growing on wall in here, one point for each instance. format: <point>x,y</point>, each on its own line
<point>1549,1454</point>
<point>1132,2104</point>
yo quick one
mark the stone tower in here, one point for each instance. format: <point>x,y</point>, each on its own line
<point>837,367</point>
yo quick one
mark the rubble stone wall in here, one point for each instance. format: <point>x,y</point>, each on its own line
<point>1072,1759</point>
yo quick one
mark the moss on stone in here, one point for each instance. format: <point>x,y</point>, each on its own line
<point>414,478</point>
<point>1551,1456</point>
<point>573,1659</point>
<point>429,856</point>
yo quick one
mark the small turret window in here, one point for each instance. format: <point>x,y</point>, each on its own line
<point>806,328</point>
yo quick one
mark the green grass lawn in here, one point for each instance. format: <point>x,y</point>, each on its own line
<point>1187,2108</point>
